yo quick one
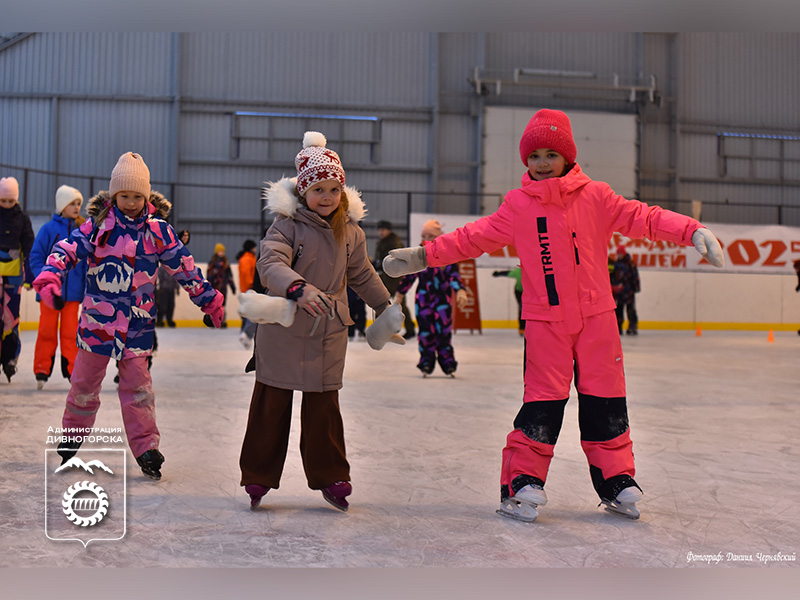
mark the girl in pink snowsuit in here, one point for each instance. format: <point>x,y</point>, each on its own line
<point>560,221</point>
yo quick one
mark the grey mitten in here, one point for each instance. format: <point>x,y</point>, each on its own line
<point>708,246</point>
<point>403,261</point>
<point>260,308</point>
<point>386,328</point>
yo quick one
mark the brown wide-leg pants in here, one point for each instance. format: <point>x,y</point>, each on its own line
<point>267,438</point>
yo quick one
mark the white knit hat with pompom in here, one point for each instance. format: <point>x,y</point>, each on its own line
<point>66,195</point>
<point>316,163</point>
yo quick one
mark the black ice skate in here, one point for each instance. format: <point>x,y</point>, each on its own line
<point>426,369</point>
<point>10,370</point>
<point>67,450</point>
<point>335,494</point>
<point>41,379</point>
<point>151,462</point>
<point>8,354</point>
<point>522,505</point>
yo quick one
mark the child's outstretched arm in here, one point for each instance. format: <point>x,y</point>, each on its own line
<point>404,261</point>
<point>636,219</point>
<point>179,263</point>
<point>487,234</point>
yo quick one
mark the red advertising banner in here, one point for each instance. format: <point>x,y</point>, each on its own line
<point>746,248</point>
<point>468,317</point>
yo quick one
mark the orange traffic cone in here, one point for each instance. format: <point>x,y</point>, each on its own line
<point>699,332</point>
<point>770,337</point>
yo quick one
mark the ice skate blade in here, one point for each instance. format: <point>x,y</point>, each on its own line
<point>519,511</point>
<point>629,511</point>
<point>332,502</point>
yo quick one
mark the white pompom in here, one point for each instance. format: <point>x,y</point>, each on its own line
<point>314,138</point>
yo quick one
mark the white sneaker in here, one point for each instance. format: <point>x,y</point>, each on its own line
<point>245,340</point>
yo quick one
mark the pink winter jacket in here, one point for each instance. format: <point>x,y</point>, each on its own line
<point>561,228</point>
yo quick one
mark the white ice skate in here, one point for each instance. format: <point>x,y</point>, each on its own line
<point>522,506</point>
<point>625,503</point>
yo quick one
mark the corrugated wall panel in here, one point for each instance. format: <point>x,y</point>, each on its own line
<point>353,69</point>
<point>92,136</point>
<point>25,141</point>
<point>740,79</point>
<point>89,63</point>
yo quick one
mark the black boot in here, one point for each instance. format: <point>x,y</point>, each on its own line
<point>151,462</point>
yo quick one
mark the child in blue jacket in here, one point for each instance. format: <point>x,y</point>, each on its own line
<point>62,320</point>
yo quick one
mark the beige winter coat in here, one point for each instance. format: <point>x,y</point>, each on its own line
<point>300,245</point>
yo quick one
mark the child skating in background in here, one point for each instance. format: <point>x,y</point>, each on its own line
<point>59,322</point>
<point>16,240</point>
<point>434,308</point>
<point>123,244</point>
<point>220,276</point>
<point>311,253</point>
<point>516,275</point>
<point>560,221</point>
<point>247,273</point>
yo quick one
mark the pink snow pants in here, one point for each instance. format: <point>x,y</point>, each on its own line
<point>552,357</point>
<point>135,396</point>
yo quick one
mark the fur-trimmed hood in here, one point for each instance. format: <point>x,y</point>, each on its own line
<point>102,200</point>
<point>279,197</point>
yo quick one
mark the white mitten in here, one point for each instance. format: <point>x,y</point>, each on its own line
<point>261,308</point>
<point>403,261</point>
<point>708,246</point>
<point>385,328</point>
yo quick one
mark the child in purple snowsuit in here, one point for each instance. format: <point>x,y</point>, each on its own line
<point>433,304</point>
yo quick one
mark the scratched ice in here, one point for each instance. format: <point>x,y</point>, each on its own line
<point>713,420</point>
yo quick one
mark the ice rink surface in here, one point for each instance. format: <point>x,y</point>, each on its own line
<point>714,421</point>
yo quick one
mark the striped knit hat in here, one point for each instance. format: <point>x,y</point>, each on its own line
<point>316,163</point>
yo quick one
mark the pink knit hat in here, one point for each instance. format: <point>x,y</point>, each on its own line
<point>548,129</point>
<point>9,188</point>
<point>130,175</point>
<point>432,228</point>
<point>316,163</point>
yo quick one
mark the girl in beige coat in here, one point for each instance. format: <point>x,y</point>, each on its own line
<point>310,254</point>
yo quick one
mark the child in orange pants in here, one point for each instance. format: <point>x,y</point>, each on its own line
<point>66,218</point>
